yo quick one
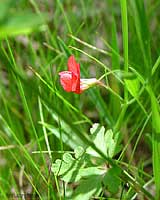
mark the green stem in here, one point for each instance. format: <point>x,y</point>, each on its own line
<point>125,40</point>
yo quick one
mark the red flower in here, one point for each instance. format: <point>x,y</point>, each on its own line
<point>70,80</point>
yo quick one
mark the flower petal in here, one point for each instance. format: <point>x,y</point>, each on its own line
<point>75,83</point>
<point>66,80</point>
<point>73,66</point>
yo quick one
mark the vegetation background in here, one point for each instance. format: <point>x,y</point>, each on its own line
<point>47,147</point>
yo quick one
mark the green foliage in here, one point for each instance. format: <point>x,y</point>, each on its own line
<point>76,169</point>
<point>133,86</point>
<point>13,23</point>
<point>88,188</point>
<point>82,166</point>
<point>142,35</point>
<point>111,179</point>
<point>156,142</point>
<point>104,141</point>
<point>115,104</point>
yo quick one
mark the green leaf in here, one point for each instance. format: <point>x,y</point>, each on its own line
<point>115,103</point>
<point>68,168</point>
<point>156,143</point>
<point>103,140</point>
<point>110,143</point>
<point>78,152</point>
<point>142,35</point>
<point>111,180</point>
<point>71,169</point>
<point>68,137</point>
<point>133,86</point>
<point>21,24</point>
<point>88,188</point>
<point>98,138</point>
<point>81,168</point>
<point>4,5</point>
<point>90,171</point>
